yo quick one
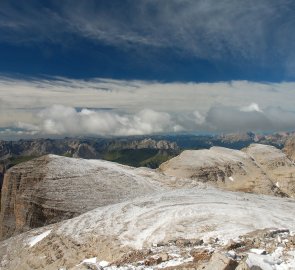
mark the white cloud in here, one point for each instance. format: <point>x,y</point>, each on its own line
<point>112,107</point>
<point>253,107</point>
<point>61,120</point>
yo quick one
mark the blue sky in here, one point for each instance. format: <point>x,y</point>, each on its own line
<point>169,40</point>
<point>203,52</point>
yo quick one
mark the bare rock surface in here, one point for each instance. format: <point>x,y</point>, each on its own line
<point>53,188</point>
<point>289,147</point>
<point>276,165</point>
<point>157,223</point>
<point>260,169</point>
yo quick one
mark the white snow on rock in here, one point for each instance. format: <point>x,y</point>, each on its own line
<point>274,261</point>
<point>257,251</point>
<point>90,260</point>
<point>189,214</point>
<point>231,178</point>
<point>34,240</point>
<point>103,264</point>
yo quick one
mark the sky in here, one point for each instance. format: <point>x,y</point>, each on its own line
<point>126,67</point>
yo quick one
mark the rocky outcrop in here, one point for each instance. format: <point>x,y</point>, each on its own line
<point>85,151</point>
<point>289,148</point>
<point>177,229</point>
<point>259,168</point>
<point>276,166</point>
<point>2,171</point>
<point>53,188</point>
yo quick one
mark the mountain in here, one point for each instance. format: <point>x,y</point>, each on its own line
<point>133,151</point>
<point>216,208</point>
<point>259,168</point>
<point>168,228</point>
<point>53,188</point>
<point>137,151</point>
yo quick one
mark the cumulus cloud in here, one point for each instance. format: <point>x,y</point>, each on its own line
<point>61,120</point>
<point>253,107</point>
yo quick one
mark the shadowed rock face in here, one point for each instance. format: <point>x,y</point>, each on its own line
<point>52,188</point>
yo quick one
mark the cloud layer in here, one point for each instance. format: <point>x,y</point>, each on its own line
<point>60,106</point>
<point>61,120</point>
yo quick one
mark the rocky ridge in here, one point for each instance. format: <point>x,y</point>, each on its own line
<point>53,188</point>
<point>259,168</point>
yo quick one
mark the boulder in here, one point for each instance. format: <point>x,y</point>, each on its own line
<point>220,262</point>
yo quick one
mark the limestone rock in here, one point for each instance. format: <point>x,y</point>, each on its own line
<point>220,262</point>
<point>276,166</point>
<point>259,168</point>
<point>111,231</point>
<point>52,188</point>
<point>289,148</point>
<point>85,151</point>
<point>243,266</point>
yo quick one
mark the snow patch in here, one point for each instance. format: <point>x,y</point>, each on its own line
<point>90,260</point>
<point>104,264</point>
<point>34,240</point>
<point>258,251</point>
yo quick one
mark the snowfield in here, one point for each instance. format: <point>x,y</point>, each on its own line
<point>189,214</point>
<point>108,232</point>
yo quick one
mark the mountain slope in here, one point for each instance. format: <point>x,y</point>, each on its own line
<point>52,188</point>
<point>257,169</point>
<point>111,231</point>
<point>276,165</point>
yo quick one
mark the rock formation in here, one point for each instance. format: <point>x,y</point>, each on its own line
<point>53,188</point>
<point>170,228</point>
<point>276,166</point>
<point>260,169</point>
<point>289,148</point>
<point>97,214</point>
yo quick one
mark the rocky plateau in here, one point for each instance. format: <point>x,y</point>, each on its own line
<point>204,209</point>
